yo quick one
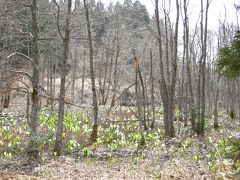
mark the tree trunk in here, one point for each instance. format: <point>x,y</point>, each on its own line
<point>74,67</point>
<point>109,79</point>
<point>48,74</point>
<point>54,79</point>
<point>138,100</point>
<point>202,64</point>
<point>142,92</point>
<point>105,80</point>
<point>83,76</point>
<point>94,98</point>
<point>166,93</point>
<point>115,72</point>
<point>35,77</point>
<point>174,76</point>
<point>152,91</point>
<point>189,74</point>
<point>51,84</point>
<point>66,39</point>
<point>28,105</point>
<point>33,145</point>
<point>216,125</point>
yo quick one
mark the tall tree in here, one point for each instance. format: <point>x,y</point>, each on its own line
<point>138,93</point>
<point>94,97</point>
<point>65,39</point>
<point>202,67</point>
<point>35,76</point>
<point>189,70</point>
<point>168,89</point>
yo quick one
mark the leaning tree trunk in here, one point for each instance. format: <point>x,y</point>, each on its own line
<point>94,97</point>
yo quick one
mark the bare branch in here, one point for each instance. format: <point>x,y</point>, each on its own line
<point>24,57</point>
<point>11,45</point>
<point>58,15</point>
<point>19,72</point>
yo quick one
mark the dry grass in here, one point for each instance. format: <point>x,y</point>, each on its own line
<point>124,168</point>
<point>116,168</point>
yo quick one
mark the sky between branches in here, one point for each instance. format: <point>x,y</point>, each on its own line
<point>216,10</point>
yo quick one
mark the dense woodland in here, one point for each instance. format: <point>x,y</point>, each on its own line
<point>83,85</point>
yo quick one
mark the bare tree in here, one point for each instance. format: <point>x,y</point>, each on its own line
<point>65,39</point>
<point>202,66</point>
<point>115,68</point>
<point>74,67</point>
<point>189,64</point>
<point>168,89</point>
<point>138,93</point>
<point>152,90</point>
<point>35,78</point>
<point>83,76</point>
<point>94,97</point>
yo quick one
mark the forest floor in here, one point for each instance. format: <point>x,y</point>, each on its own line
<point>170,166</point>
<point>121,168</point>
<point>183,157</point>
